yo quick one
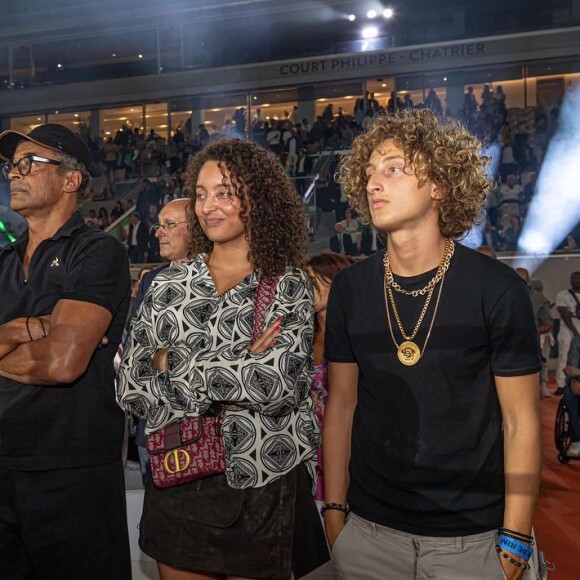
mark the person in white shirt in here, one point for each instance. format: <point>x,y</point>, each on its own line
<point>568,305</point>
<point>510,190</point>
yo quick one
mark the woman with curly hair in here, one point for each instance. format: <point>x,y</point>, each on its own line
<point>431,429</point>
<point>195,326</point>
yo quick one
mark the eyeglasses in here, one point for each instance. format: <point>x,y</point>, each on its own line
<point>24,164</point>
<point>167,226</point>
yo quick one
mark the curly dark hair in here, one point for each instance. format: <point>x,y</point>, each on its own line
<point>442,152</point>
<point>326,265</point>
<point>270,206</point>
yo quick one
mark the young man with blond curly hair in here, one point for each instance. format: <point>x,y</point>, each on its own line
<point>431,435</point>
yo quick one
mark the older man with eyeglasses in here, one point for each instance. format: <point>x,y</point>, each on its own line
<point>172,231</point>
<point>64,286</point>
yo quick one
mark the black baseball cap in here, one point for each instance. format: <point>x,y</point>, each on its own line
<point>51,135</point>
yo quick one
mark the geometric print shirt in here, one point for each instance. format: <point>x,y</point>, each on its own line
<point>269,426</point>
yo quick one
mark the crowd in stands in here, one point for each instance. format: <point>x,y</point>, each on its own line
<point>518,138</point>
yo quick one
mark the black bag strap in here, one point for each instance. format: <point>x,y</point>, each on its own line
<point>574,296</point>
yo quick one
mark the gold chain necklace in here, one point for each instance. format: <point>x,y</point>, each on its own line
<point>443,266</point>
<point>408,351</point>
<point>396,313</point>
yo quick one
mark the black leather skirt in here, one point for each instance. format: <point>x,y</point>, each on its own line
<point>267,532</point>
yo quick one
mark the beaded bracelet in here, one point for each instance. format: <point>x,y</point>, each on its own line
<point>334,506</point>
<point>523,566</point>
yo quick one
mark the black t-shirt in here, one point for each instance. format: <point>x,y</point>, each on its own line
<point>427,445</point>
<point>77,424</point>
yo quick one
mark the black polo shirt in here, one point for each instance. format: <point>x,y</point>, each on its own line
<point>77,424</point>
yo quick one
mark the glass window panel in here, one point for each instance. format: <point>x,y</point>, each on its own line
<point>120,119</point>
<point>76,121</point>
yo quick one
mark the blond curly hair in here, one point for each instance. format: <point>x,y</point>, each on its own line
<point>444,153</point>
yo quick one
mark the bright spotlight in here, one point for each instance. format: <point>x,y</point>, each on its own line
<point>555,209</point>
<point>352,17</point>
<point>370,32</point>
<point>372,14</point>
<point>388,13</point>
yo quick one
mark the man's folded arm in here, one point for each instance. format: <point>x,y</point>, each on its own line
<point>76,329</point>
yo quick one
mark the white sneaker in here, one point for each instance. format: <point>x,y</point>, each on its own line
<point>574,449</point>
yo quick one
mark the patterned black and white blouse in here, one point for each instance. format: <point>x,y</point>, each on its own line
<point>269,426</point>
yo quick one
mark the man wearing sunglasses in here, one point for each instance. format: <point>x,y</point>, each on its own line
<point>64,286</point>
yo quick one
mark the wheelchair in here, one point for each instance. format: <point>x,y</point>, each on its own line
<point>562,435</point>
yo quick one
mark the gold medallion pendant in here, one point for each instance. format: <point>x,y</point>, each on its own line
<point>409,353</point>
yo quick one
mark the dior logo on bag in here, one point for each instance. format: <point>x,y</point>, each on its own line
<point>186,450</point>
<point>181,461</point>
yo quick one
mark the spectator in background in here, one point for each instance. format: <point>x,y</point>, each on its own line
<point>571,395</point>
<point>351,226</point>
<point>153,256</point>
<point>433,102</point>
<point>274,139</point>
<point>137,239</point>
<point>499,100</point>
<point>510,190</point>
<point>172,232</point>
<point>103,221</point>
<point>486,98</point>
<point>545,324</point>
<point>469,103</point>
<point>528,192</point>
<point>202,136</point>
<point>328,113</point>
<point>152,214</point>
<point>512,233</point>
<point>321,269</point>
<point>568,305</point>
<point>342,243</point>
<point>240,121</point>
<point>152,137</point>
<point>407,101</point>
<point>117,211</point>
<point>303,171</point>
<point>394,103</point>
<point>293,117</point>
<point>491,237</point>
<point>111,150</point>
<point>143,199</point>
<point>91,219</point>
<point>371,241</point>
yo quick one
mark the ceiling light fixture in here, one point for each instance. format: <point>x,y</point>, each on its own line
<point>370,32</point>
